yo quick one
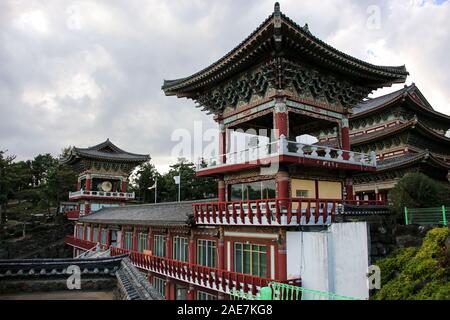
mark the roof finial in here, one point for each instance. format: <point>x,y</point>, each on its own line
<point>276,8</point>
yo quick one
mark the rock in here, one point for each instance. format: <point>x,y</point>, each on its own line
<point>408,240</point>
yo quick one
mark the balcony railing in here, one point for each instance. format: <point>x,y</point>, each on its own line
<point>209,278</point>
<point>73,214</point>
<point>101,194</point>
<point>79,243</point>
<point>274,212</point>
<point>284,147</point>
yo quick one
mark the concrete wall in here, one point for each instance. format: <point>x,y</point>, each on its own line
<point>334,260</point>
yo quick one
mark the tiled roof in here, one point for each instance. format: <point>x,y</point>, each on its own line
<point>317,50</point>
<point>410,158</point>
<point>105,151</point>
<point>161,214</point>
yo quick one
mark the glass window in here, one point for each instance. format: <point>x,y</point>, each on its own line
<point>180,249</point>
<point>88,233</point>
<point>159,246</point>
<point>250,259</point>
<point>206,253</point>
<point>253,191</point>
<point>205,296</point>
<point>181,292</point>
<point>301,193</point>
<point>95,235</point>
<point>104,236</point>
<point>80,231</point>
<point>142,242</point>
<point>128,245</point>
<point>160,286</point>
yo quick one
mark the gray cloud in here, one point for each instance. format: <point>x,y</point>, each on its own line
<point>75,73</point>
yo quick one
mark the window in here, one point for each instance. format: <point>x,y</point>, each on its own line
<point>181,292</point>
<point>253,191</point>
<point>88,233</point>
<point>180,249</point>
<point>104,238</point>
<point>301,193</point>
<point>206,253</point>
<point>205,296</point>
<point>250,259</point>
<point>95,235</point>
<point>128,245</point>
<point>159,246</point>
<point>142,242</point>
<point>160,286</point>
<point>80,231</point>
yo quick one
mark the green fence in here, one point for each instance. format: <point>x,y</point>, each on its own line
<point>427,216</point>
<point>281,291</point>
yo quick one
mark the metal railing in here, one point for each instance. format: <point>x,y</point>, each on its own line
<point>427,216</point>
<point>289,148</point>
<point>282,291</point>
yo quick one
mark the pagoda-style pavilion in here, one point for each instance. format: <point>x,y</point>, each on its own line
<point>103,171</point>
<point>406,133</point>
<point>285,81</point>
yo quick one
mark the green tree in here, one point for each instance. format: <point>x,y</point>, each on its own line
<point>416,190</point>
<point>6,183</point>
<point>146,176</point>
<point>40,167</point>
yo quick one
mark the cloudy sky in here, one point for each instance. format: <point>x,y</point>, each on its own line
<point>78,72</point>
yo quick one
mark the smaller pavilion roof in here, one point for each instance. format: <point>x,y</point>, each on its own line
<point>106,151</point>
<point>160,214</point>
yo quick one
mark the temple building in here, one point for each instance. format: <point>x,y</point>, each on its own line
<point>278,198</point>
<point>103,172</point>
<point>406,133</point>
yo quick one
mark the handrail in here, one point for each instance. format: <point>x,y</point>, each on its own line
<point>279,211</point>
<point>109,194</point>
<point>291,148</point>
<point>212,278</point>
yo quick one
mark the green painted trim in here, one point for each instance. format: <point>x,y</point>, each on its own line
<point>305,107</point>
<point>406,216</point>
<point>249,112</point>
<point>444,215</point>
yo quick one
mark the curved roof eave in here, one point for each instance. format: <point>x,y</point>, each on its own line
<point>389,73</point>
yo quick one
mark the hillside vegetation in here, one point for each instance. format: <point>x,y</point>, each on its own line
<point>418,273</point>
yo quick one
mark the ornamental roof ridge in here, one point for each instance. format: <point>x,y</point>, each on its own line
<point>98,151</point>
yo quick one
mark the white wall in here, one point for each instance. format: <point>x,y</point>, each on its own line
<point>335,260</point>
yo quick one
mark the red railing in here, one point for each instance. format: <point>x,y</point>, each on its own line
<point>276,212</point>
<point>211,278</point>
<point>79,243</point>
<point>73,214</point>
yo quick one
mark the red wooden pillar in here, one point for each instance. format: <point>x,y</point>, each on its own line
<point>87,207</point>
<point>135,240</point>
<point>281,257</point>
<point>123,186</point>
<point>221,193</point>
<point>169,245</point>
<point>222,142</point>
<point>92,233</point>
<point>168,289</point>
<point>349,189</point>
<point>282,184</point>
<point>221,251</point>
<point>78,185</point>
<point>191,295</point>
<point>192,257</point>
<point>345,138</point>
<point>108,237</point>
<point>281,121</point>
<point>150,240</point>
<point>88,183</point>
